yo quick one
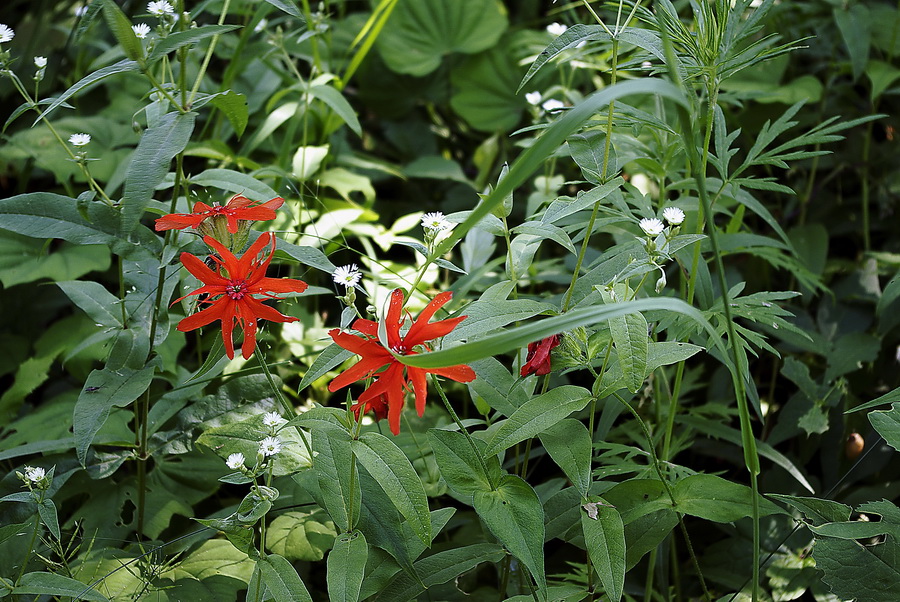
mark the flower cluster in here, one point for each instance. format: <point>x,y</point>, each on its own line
<point>232,288</point>
<point>392,378</point>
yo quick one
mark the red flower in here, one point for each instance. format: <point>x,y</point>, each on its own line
<point>391,383</point>
<point>538,359</point>
<point>237,208</point>
<point>231,291</point>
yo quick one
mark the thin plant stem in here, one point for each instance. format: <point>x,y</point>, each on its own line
<point>206,59</point>
<point>459,424</point>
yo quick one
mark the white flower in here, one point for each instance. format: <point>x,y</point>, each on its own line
<point>263,23</point>
<point>6,33</point>
<point>273,419</point>
<point>40,62</point>
<point>556,29</point>
<point>269,446</point>
<point>533,98</point>
<point>651,226</point>
<point>34,474</point>
<point>235,461</point>
<point>435,221</point>
<point>79,139</point>
<point>348,275</point>
<point>141,30</point>
<point>80,11</point>
<point>553,105</point>
<point>646,65</point>
<point>673,215</point>
<point>160,8</point>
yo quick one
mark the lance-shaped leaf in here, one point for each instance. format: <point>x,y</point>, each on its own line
<point>338,482</point>
<point>347,566</point>
<point>604,536</point>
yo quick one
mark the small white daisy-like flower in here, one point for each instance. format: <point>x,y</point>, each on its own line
<point>348,275</point>
<point>646,65</point>
<point>235,461</point>
<point>552,105</point>
<point>40,62</point>
<point>160,8</point>
<point>269,446</point>
<point>533,98</point>
<point>435,221</point>
<point>273,419</point>
<point>673,215</point>
<point>79,139</point>
<point>263,23</point>
<point>556,29</point>
<point>34,474</point>
<point>651,226</point>
<point>141,30</point>
<point>6,33</point>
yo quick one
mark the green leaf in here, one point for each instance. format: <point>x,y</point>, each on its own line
<point>484,90</point>
<point>439,568</point>
<point>513,513</point>
<point>235,182</point>
<point>287,6</point>
<point>47,511</point>
<point>881,75</point>
<point>816,510</point>
<point>88,82</point>
<point>244,435</point>
<point>339,105</point>
<point>630,335</point>
<point>347,567</point>
<point>26,259</point>
<point>537,415</point>
<point>178,39</point>
<point>338,482</point>
<point>889,397</point>
<point>53,584</point>
<point>158,146</point>
<point>713,498</point>
<point>282,580</point>
<point>421,32</point>
<point>392,470</point>
<point>853,23</point>
<point>121,29</point>
<point>604,536</point>
<point>307,160</point>
<point>97,302</point>
<point>234,106</point>
<point>569,444</point>
<point>301,536</point>
<point>459,465</point>
<point>330,358</point>
<point>887,423</point>
<point>589,152</point>
<point>855,572</point>
<point>103,390</point>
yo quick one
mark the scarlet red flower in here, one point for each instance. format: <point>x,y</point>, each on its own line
<point>237,208</point>
<point>538,359</point>
<point>231,291</point>
<point>391,383</point>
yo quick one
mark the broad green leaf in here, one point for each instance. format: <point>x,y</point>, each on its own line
<point>421,33</point>
<point>307,160</point>
<point>816,510</point>
<point>121,29</point>
<point>282,580</point>
<point>435,167</point>
<point>158,146</point>
<point>339,105</point>
<point>88,82</point>
<point>630,335</point>
<point>881,75</point>
<point>53,584</point>
<point>536,415</point>
<point>213,557</point>
<point>857,530</point>
<point>513,513</point>
<point>604,536</point>
<point>244,435</point>
<point>347,566</point>
<point>103,390</point>
<point>178,39</point>
<point>234,182</point>
<point>565,206</point>
<point>645,533</point>
<point>569,444</point>
<point>459,465</point>
<point>887,423</point>
<point>301,536</point>
<point>288,6</point>
<point>47,511</point>
<point>44,214</point>
<point>713,498</point>
<point>440,568</point>
<point>97,302</point>
<point>234,106</point>
<point>329,359</point>
<point>338,481</point>
<point>392,470</point>
<point>853,23</point>
<point>589,152</point>
<point>25,259</point>
<point>855,572</point>
<point>484,90</point>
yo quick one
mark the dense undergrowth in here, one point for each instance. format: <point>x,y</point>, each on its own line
<point>563,300</point>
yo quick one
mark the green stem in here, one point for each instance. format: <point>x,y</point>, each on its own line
<point>206,59</point>
<point>30,549</point>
